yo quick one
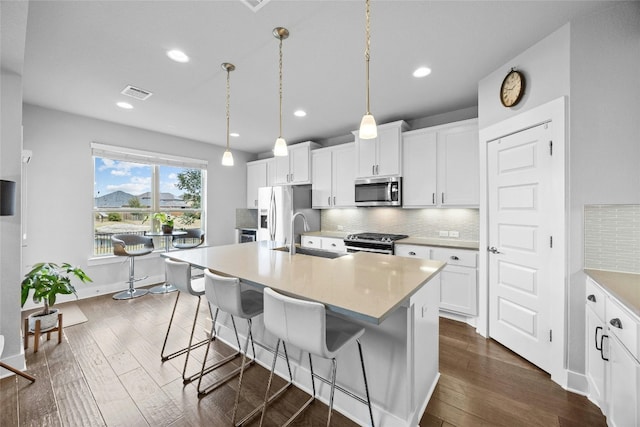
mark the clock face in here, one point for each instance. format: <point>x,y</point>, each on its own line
<point>512,89</point>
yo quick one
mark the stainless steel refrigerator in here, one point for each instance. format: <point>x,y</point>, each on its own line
<point>276,206</point>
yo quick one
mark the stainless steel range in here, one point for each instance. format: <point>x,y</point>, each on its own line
<point>372,242</point>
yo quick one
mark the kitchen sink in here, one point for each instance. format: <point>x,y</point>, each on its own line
<point>313,252</point>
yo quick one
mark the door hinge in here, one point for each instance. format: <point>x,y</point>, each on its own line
<point>550,335</point>
<point>551,148</point>
<point>550,241</point>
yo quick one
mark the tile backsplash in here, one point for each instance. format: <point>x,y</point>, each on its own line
<point>612,237</point>
<point>414,222</point>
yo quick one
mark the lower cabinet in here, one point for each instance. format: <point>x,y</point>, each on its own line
<point>458,280</point>
<point>333,244</point>
<point>612,357</point>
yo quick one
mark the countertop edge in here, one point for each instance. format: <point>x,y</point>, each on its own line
<point>443,243</point>
<point>619,286</point>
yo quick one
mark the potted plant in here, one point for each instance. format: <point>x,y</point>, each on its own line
<point>48,280</point>
<point>166,221</point>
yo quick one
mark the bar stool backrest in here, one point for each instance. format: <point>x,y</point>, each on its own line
<point>179,275</point>
<point>298,322</point>
<point>224,293</point>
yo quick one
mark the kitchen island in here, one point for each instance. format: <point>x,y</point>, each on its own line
<point>396,300</point>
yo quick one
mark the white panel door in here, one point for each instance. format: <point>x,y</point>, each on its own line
<point>519,167</point>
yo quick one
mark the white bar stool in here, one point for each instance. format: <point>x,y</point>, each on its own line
<point>308,326</point>
<point>227,294</point>
<point>179,275</point>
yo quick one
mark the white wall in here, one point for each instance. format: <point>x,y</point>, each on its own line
<point>595,61</point>
<point>60,191</point>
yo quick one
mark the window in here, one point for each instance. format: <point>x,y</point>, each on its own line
<point>130,186</point>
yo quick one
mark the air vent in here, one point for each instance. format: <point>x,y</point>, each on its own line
<point>255,5</point>
<point>136,92</point>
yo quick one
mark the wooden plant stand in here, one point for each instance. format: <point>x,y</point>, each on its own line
<point>38,332</point>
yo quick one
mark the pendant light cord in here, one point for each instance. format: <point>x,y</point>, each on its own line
<point>280,86</point>
<point>367,55</point>
<point>228,104</point>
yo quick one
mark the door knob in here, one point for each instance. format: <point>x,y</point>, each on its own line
<point>494,250</point>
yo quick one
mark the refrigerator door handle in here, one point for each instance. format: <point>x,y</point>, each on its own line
<point>272,226</point>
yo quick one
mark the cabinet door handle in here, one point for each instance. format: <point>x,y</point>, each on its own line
<point>596,339</point>
<point>291,177</point>
<point>455,258</point>
<point>616,323</point>
<point>334,200</point>
<point>443,198</point>
<point>329,200</point>
<point>412,253</point>
<point>602,348</point>
<point>592,298</point>
<point>373,169</point>
<point>433,198</point>
<point>377,169</point>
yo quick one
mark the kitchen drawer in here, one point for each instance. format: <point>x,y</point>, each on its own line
<point>459,257</point>
<point>413,251</point>
<point>626,329</point>
<point>333,244</point>
<point>312,242</point>
<point>595,298</point>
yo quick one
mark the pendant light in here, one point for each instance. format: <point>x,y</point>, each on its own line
<point>368,129</point>
<point>227,157</point>
<point>280,148</point>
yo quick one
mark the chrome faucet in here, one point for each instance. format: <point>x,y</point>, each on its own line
<point>292,243</point>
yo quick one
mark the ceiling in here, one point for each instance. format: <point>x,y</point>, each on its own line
<point>80,55</point>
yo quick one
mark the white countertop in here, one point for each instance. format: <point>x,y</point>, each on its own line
<point>625,287</point>
<point>422,241</point>
<point>363,285</point>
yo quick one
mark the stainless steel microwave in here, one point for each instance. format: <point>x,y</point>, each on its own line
<point>385,191</point>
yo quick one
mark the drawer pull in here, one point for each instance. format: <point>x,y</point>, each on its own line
<point>592,298</point>
<point>412,253</point>
<point>455,258</point>
<point>616,323</point>
<point>333,244</point>
<point>310,242</point>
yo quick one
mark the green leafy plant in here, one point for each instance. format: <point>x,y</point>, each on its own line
<point>164,218</point>
<point>48,280</point>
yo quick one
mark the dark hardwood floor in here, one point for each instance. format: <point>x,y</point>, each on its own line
<point>107,371</point>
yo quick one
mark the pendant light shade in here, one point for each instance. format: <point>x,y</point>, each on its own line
<point>368,128</point>
<point>280,147</point>
<point>227,157</point>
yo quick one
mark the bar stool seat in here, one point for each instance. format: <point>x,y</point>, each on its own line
<point>131,246</point>
<point>308,326</point>
<point>227,295</point>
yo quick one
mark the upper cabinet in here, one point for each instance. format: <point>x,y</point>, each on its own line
<point>333,177</point>
<point>295,168</point>
<point>442,166</point>
<point>257,176</point>
<point>381,156</point>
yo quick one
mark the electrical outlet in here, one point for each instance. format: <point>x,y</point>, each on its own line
<point>444,234</point>
<point>341,228</point>
<point>454,234</point>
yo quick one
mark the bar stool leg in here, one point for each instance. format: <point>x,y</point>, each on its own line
<point>366,385</point>
<point>334,368</point>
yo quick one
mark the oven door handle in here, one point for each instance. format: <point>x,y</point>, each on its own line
<point>360,249</point>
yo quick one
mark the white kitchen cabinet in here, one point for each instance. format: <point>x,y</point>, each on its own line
<point>333,244</point>
<point>596,344</point>
<point>624,383</point>
<point>458,279</point>
<point>271,171</point>
<point>257,175</point>
<point>381,156</point>
<point>295,168</point>
<point>441,166</point>
<point>333,177</point>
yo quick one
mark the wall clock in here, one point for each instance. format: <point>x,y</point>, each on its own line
<point>512,88</point>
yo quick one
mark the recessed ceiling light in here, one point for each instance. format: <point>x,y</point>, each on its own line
<point>422,72</point>
<point>234,134</point>
<point>300,113</point>
<point>178,55</point>
<point>124,105</point>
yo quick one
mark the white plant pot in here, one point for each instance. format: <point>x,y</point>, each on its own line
<point>47,321</point>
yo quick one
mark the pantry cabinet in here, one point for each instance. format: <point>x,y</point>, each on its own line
<point>381,156</point>
<point>441,166</point>
<point>458,279</point>
<point>295,168</point>
<point>333,177</point>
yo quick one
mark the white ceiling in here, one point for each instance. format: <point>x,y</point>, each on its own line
<point>79,55</point>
